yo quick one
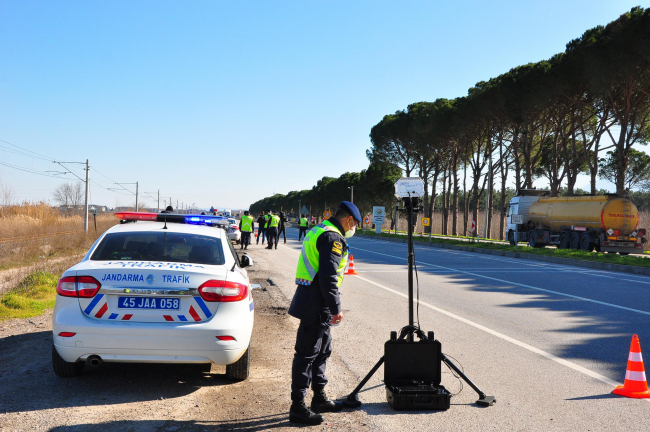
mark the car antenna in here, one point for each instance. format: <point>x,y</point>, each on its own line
<point>165,227</point>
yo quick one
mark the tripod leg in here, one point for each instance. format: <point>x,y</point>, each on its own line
<point>352,400</point>
<point>483,400</point>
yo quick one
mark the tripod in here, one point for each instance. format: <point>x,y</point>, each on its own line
<point>411,208</point>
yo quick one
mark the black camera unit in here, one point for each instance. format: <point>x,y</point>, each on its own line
<point>412,369</point>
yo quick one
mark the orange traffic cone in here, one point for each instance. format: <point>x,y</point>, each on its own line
<point>636,385</point>
<point>351,270</point>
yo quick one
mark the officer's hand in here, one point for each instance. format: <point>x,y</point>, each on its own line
<point>336,319</point>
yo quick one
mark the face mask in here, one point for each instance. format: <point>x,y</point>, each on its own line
<point>349,233</point>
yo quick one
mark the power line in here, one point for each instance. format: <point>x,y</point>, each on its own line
<point>27,150</point>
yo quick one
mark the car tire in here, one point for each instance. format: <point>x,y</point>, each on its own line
<point>63,368</point>
<point>239,370</point>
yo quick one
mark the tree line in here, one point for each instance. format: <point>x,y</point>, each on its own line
<point>580,112</point>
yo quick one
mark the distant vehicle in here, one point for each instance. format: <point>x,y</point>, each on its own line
<point>234,232</point>
<point>606,223</point>
<point>144,294</point>
<point>227,212</point>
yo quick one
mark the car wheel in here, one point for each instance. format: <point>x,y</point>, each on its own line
<point>63,368</point>
<point>239,370</point>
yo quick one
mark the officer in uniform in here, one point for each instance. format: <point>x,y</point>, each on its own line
<point>247,227</point>
<point>282,229</point>
<point>272,232</point>
<point>261,232</point>
<point>317,305</point>
<point>304,224</point>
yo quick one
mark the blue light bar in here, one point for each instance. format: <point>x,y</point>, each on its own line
<point>208,220</point>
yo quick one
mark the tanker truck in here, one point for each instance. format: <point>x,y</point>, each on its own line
<point>605,223</point>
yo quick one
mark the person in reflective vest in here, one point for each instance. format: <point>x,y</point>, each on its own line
<point>247,226</point>
<point>304,224</point>
<point>316,303</point>
<point>272,231</point>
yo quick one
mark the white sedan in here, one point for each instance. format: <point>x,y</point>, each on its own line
<point>162,289</point>
<point>234,231</point>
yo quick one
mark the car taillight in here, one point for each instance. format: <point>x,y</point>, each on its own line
<point>226,338</point>
<point>223,291</point>
<point>78,286</point>
<point>235,227</point>
<point>67,334</point>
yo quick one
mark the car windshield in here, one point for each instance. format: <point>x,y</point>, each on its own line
<point>160,246</point>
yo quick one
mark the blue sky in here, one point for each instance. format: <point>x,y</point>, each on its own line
<point>224,103</point>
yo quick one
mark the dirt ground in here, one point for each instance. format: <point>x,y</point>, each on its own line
<point>147,397</point>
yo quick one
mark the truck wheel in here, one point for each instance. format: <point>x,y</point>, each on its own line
<point>511,238</point>
<point>575,241</point>
<point>585,243</point>
<point>564,241</point>
<point>238,371</point>
<point>623,253</point>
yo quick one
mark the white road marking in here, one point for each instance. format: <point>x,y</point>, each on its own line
<point>517,342</point>
<point>514,341</point>
<point>519,284</point>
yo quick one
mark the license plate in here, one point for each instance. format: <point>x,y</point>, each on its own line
<point>149,303</point>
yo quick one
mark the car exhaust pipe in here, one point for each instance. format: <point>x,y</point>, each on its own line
<point>94,360</point>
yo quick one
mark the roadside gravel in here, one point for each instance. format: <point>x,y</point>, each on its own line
<point>150,397</point>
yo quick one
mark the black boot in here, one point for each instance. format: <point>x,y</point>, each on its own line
<point>299,413</point>
<point>320,403</point>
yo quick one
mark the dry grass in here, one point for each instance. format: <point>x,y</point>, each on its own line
<point>47,253</point>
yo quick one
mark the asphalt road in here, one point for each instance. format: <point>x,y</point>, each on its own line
<point>550,342</point>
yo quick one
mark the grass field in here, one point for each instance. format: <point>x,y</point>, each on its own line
<point>562,253</point>
<point>20,222</point>
<point>33,295</point>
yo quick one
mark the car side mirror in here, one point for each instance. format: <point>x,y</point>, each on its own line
<point>246,261</point>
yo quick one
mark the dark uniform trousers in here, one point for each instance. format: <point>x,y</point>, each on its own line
<point>313,348</point>
<point>245,238</point>
<point>272,235</point>
<point>302,232</point>
<point>283,231</point>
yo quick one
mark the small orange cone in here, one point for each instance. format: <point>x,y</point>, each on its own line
<point>351,270</point>
<point>636,385</point>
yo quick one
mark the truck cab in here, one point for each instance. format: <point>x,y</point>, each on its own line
<point>518,213</point>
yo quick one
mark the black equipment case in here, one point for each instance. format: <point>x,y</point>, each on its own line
<point>412,374</point>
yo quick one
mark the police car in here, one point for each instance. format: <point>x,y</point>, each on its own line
<point>234,232</point>
<point>158,288</point>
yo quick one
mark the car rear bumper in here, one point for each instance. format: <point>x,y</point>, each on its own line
<point>218,356</point>
<point>152,342</point>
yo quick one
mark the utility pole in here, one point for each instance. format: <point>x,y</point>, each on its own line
<point>158,201</point>
<point>136,197</point>
<point>87,193</point>
<point>351,194</point>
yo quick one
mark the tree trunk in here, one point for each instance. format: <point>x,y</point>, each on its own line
<point>454,204</point>
<point>444,203</point>
<point>465,201</point>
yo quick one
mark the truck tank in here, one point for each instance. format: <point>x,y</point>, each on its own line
<point>606,211</point>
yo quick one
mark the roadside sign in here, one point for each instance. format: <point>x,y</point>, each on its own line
<point>426,221</point>
<point>378,214</point>
<point>327,214</point>
<point>366,220</point>
<point>409,187</point>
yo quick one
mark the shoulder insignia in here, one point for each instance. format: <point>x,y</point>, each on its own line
<point>338,245</point>
<point>336,250</point>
